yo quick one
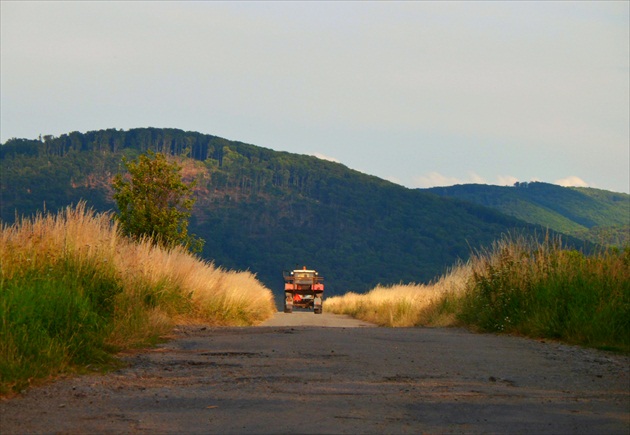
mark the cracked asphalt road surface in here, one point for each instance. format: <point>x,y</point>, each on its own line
<point>306,373</point>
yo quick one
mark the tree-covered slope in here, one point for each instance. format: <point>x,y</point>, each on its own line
<point>593,214</point>
<point>263,210</point>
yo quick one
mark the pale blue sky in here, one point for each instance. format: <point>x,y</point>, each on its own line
<point>420,93</point>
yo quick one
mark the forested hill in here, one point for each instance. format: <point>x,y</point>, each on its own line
<point>263,210</point>
<point>592,214</point>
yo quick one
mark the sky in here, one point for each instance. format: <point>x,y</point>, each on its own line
<point>419,93</point>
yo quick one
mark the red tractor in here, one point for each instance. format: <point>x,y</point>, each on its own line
<point>303,288</point>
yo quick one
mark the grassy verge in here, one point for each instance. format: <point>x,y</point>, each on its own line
<point>517,286</point>
<point>73,292</point>
<point>544,290</point>
<point>404,305</point>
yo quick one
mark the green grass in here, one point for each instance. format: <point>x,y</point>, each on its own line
<point>543,290</point>
<point>51,323</point>
<point>73,292</point>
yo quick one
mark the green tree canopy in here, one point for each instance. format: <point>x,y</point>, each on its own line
<point>154,202</point>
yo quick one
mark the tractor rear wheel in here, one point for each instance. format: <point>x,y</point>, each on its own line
<point>317,303</point>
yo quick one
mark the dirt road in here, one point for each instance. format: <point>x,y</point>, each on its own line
<point>285,377</point>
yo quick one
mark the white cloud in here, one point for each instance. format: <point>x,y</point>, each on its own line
<point>433,179</point>
<point>476,178</point>
<point>395,180</point>
<point>325,157</point>
<point>506,180</point>
<point>571,181</point>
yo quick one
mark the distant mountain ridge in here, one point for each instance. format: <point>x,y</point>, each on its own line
<point>265,210</point>
<point>596,215</point>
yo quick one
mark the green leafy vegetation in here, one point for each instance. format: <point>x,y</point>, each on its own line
<point>546,290</point>
<point>599,216</point>
<point>50,323</point>
<point>74,290</point>
<point>155,202</point>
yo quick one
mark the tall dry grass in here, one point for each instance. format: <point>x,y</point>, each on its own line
<point>518,285</point>
<point>73,290</point>
<point>404,305</point>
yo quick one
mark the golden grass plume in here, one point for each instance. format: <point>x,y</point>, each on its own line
<point>404,305</point>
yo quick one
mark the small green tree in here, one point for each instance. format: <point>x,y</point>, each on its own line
<point>154,202</point>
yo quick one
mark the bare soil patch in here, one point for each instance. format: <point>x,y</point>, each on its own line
<point>292,378</point>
